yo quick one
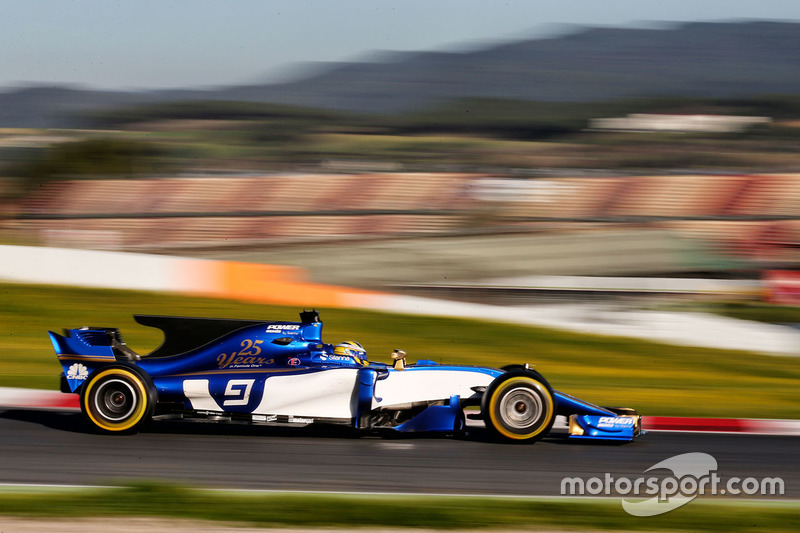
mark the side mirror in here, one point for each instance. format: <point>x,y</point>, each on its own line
<point>399,356</point>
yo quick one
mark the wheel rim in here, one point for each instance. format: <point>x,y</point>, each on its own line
<point>520,408</point>
<point>115,400</point>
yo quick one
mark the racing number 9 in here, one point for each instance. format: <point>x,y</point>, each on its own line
<point>240,396</point>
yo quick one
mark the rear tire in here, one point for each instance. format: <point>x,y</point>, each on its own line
<point>519,406</point>
<point>118,399</point>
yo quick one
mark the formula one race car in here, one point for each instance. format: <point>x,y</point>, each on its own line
<point>282,373</point>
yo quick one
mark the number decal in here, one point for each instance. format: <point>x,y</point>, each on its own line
<point>246,357</point>
<point>239,391</point>
<point>250,347</point>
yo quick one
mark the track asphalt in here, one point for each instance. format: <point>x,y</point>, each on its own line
<point>55,445</point>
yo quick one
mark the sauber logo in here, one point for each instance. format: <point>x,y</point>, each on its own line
<point>77,371</point>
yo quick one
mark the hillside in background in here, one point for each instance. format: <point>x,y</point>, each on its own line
<point>692,60</point>
<point>703,59</point>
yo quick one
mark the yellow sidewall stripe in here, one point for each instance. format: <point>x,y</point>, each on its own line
<point>548,400</point>
<point>137,415</point>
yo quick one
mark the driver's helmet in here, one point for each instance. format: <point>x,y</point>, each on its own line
<point>352,349</point>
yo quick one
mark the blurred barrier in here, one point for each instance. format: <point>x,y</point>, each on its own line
<point>758,426</point>
<point>37,399</point>
<point>782,287</point>
<point>282,285</point>
<point>84,268</point>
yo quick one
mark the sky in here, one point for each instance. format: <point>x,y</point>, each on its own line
<point>150,44</point>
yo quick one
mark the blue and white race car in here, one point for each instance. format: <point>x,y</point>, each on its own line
<point>264,372</point>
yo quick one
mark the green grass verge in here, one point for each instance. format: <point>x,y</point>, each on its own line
<point>657,379</point>
<point>437,512</point>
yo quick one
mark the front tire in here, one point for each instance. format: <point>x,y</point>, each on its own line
<point>118,399</point>
<point>519,406</point>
